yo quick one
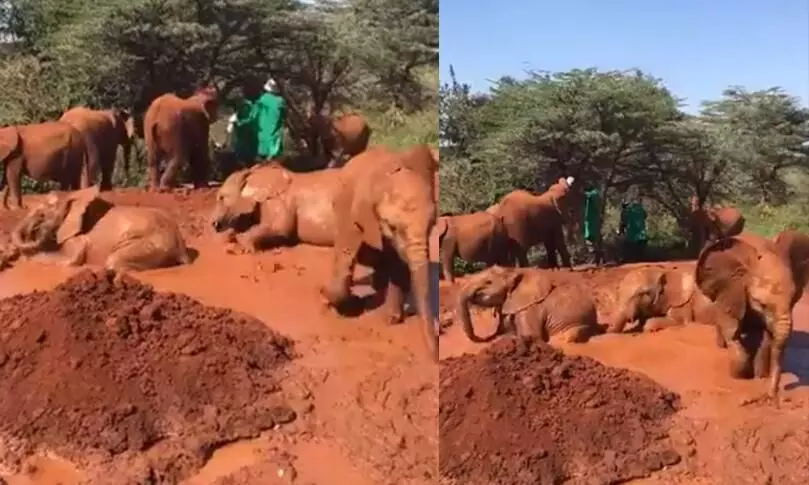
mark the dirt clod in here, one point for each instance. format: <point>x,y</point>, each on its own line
<point>104,366</point>
<point>522,412</point>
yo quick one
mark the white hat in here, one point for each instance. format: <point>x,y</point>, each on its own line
<point>271,85</point>
<point>570,181</point>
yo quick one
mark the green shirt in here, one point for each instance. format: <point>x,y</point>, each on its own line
<point>592,215</point>
<point>267,119</point>
<point>633,221</point>
<point>244,139</point>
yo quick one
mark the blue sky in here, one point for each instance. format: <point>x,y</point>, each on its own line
<point>697,47</point>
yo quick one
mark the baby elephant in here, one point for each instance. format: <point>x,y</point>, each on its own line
<point>477,237</point>
<point>268,205</point>
<point>659,298</point>
<point>532,303</point>
<point>82,228</point>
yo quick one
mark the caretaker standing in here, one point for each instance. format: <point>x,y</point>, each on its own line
<point>633,229</point>
<point>592,224</point>
<point>258,125</point>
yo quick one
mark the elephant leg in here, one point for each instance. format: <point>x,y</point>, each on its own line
<point>199,166</point>
<point>13,187</point>
<point>348,241</point>
<point>762,357</point>
<point>656,324</point>
<point>75,251</point>
<point>447,259</point>
<point>619,321</point>
<point>550,253</point>
<point>521,256</point>
<point>561,246</point>
<point>169,177</point>
<point>135,255</point>
<point>576,335</point>
<point>153,157</point>
<point>399,286</point>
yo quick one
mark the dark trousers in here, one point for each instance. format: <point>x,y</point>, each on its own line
<point>595,254</point>
<point>634,251</point>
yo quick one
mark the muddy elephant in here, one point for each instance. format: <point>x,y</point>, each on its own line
<point>103,131</point>
<point>385,204</point>
<point>50,151</point>
<point>532,303</point>
<point>659,298</point>
<point>176,131</point>
<point>81,228</point>
<point>711,223</point>
<point>268,203</point>
<point>340,138</point>
<point>754,288</point>
<point>477,237</point>
<point>532,219</point>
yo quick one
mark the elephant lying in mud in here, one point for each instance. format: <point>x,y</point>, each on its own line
<point>477,237</point>
<point>659,298</point>
<point>385,205</point>
<point>531,302</point>
<point>268,203</point>
<point>754,287</point>
<point>82,228</point>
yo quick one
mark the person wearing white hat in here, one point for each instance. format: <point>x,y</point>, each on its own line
<point>262,127</point>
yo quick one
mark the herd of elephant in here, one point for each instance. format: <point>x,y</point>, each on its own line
<point>743,284</point>
<point>82,145</point>
<point>376,209</point>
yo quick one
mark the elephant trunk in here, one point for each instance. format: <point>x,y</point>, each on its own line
<point>425,290</point>
<point>780,328</point>
<point>20,238</point>
<point>462,312</point>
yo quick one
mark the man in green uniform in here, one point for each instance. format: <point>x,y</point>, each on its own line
<point>259,124</point>
<point>633,229</point>
<point>592,224</point>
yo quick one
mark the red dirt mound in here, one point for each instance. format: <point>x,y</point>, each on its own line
<point>522,412</point>
<point>102,368</point>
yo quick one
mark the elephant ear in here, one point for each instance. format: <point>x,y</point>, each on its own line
<point>266,182</point>
<point>9,141</point>
<point>679,287</point>
<point>81,210</point>
<point>723,271</point>
<point>527,290</point>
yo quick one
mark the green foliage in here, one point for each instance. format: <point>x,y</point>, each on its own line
<point>623,131</point>
<point>374,56</point>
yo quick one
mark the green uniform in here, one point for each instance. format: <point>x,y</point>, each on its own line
<point>592,215</point>
<point>244,139</point>
<point>634,222</point>
<point>266,117</point>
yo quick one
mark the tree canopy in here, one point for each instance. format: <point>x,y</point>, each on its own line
<point>324,54</point>
<point>619,130</point>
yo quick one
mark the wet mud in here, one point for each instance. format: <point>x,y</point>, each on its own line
<point>721,438</point>
<point>364,398</point>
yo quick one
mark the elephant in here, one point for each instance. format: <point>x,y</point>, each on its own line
<point>660,298</point>
<point>82,228</point>
<point>385,204</point>
<point>104,131</point>
<point>531,219</point>
<point>177,130</point>
<point>269,202</point>
<point>477,237</point>
<point>341,138</point>
<point>44,151</point>
<point>752,284</point>
<point>716,222</point>
<point>532,302</point>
